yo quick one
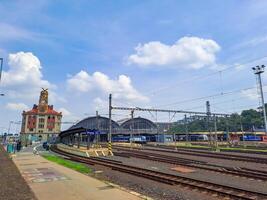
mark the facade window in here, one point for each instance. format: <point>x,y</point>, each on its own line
<point>31,129</point>
<point>41,120</point>
<point>41,126</point>
<point>50,129</point>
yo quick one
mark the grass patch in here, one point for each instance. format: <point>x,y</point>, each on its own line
<point>189,145</point>
<point>242,149</point>
<point>69,164</point>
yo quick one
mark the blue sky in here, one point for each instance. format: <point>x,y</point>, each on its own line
<point>87,49</point>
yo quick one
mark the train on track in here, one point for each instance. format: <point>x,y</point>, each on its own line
<point>191,137</point>
<point>222,137</point>
<point>134,139</point>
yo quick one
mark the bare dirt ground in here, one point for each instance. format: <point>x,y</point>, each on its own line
<point>13,185</point>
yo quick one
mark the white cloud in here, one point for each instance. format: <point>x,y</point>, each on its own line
<point>252,93</point>
<point>81,81</point>
<point>24,78</point>
<point>100,104</point>
<point>17,106</point>
<point>65,112</point>
<point>68,118</point>
<point>14,33</point>
<point>121,88</point>
<point>188,52</point>
<point>252,42</point>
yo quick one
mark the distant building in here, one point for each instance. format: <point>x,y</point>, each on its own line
<point>41,122</point>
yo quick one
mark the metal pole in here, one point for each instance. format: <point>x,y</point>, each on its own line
<point>79,138</point>
<point>186,129</point>
<point>110,126</point>
<point>241,126</point>
<point>169,130</point>
<point>227,130</point>
<point>157,126</point>
<point>132,127</point>
<point>1,68</point>
<point>208,120</point>
<point>263,104</point>
<point>10,122</point>
<point>97,124</point>
<point>215,130</point>
<point>88,140</point>
<point>110,122</point>
<point>257,71</point>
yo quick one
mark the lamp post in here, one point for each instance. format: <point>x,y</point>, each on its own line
<point>258,70</point>
<point>1,68</point>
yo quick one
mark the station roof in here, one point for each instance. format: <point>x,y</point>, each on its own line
<point>71,131</point>
<point>95,122</point>
<point>138,123</point>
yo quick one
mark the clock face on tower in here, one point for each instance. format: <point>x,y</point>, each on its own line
<point>43,97</point>
<point>42,108</point>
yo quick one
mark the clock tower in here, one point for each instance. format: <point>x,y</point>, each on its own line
<point>43,101</point>
<point>41,122</point>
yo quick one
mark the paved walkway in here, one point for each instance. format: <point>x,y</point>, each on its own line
<point>50,181</point>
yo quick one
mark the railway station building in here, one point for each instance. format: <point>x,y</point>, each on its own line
<point>42,122</point>
<point>121,130</point>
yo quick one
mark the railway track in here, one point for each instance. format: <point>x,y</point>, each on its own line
<point>248,151</point>
<point>242,172</point>
<point>204,154</point>
<point>222,190</point>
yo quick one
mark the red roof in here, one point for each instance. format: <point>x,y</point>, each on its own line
<point>35,110</point>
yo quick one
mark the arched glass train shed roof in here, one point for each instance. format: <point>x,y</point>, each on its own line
<point>138,123</point>
<point>95,122</point>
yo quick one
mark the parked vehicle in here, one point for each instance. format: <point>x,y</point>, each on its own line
<point>251,138</point>
<point>138,139</point>
<point>46,146</point>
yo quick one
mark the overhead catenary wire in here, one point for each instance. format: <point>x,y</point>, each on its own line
<point>207,97</point>
<point>154,92</point>
<point>237,109</point>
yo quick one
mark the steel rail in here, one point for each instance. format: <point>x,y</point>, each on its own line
<point>173,160</point>
<point>222,190</point>
<point>207,154</point>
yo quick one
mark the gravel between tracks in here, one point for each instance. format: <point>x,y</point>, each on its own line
<point>238,153</point>
<point>218,161</point>
<point>249,184</point>
<point>163,191</point>
<point>152,189</point>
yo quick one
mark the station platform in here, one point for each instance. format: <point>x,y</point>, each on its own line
<point>51,181</point>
